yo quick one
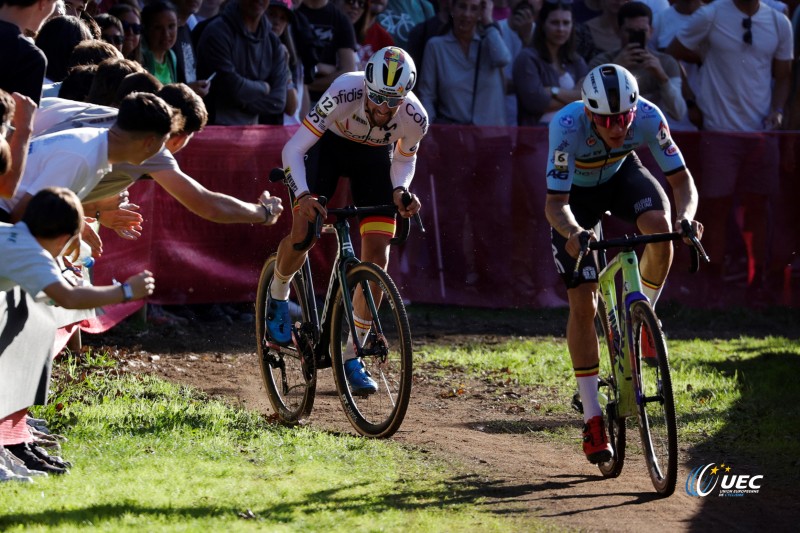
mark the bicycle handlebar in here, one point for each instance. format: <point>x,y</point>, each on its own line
<point>315,228</point>
<point>697,251</point>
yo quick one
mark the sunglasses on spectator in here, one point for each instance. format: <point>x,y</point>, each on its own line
<point>358,4</point>
<point>114,39</point>
<point>378,99</point>
<point>135,28</point>
<point>747,24</point>
<point>621,119</point>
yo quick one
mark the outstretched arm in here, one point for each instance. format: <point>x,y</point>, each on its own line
<point>70,297</point>
<point>216,206</point>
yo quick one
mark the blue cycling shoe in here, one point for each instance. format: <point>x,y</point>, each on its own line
<point>358,378</point>
<point>279,321</point>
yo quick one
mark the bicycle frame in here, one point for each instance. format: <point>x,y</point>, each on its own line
<point>345,258</point>
<point>626,263</point>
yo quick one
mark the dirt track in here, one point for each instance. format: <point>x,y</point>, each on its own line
<point>506,459</point>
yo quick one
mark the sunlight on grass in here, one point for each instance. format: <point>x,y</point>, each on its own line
<point>737,395</point>
<point>153,456</point>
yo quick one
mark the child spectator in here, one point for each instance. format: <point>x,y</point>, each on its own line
<point>52,220</point>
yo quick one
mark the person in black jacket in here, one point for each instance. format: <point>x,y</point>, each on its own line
<point>248,62</point>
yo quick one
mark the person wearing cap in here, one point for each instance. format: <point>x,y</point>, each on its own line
<point>248,61</point>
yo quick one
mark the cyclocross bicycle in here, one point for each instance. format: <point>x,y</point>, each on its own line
<point>635,373</point>
<point>319,341</point>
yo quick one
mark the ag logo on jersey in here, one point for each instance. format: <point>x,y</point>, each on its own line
<point>561,160</point>
<point>647,108</point>
<point>663,136</point>
<point>566,121</point>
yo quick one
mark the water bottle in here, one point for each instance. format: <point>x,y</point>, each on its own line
<point>85,258</point>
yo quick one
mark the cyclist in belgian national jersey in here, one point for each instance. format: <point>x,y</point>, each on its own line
<point>367,126</point>
<point>592,168</point>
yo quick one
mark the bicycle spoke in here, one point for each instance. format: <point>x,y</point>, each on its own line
<point>386,353</point>
<point>290,382</point>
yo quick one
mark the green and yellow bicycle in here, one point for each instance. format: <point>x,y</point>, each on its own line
<point>634,366</point>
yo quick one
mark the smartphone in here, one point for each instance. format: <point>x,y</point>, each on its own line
<point>637,37</point>
<point>211,77</point>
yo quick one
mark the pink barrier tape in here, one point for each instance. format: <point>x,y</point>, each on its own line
<point>483,188</point>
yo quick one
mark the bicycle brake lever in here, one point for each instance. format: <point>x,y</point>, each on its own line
<point>407,199</point>
<point>314,229</point>
<point>697,251</point>
<point>583,239</point>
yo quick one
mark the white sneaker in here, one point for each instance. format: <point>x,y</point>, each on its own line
<point>11,462</point>
<point>6,474</point>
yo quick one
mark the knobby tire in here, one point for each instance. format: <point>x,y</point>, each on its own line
<point>615,425</point>
<point>657,423</point>
<point>380,414</point>
<point>293,401</point>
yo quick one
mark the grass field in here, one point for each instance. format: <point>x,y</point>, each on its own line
<point>157,456</point>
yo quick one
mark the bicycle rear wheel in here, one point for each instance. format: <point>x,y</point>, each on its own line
<point>388,353</point>
<point>616,426</point>
<point>657,425</point>
<point>289,373</point>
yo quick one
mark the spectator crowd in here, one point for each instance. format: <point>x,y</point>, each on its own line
<point>95,95</point>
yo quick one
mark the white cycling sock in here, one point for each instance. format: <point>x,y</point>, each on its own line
<point>280,286</point>
<point>587,386</point>
<point>362,330</point>
<point>652,291</point>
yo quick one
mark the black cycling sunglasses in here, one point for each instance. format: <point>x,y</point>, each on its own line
<point>135,28</point>
<point>114,39</point>
<point>747,24</point>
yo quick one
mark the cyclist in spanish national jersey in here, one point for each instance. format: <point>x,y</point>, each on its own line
<point>367,126</point>
<point>592,168</point>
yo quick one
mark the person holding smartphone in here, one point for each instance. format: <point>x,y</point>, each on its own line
<point>658,74</point>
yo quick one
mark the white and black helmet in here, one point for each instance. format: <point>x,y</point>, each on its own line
<point>609,89</point>
<point>390,72</point>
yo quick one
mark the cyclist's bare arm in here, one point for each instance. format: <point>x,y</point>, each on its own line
<point>560,217</point>
<point>685,194</point>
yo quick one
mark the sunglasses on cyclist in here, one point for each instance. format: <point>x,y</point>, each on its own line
<point>135,28</point>
<point>378,99</point>
<point>621,119</point>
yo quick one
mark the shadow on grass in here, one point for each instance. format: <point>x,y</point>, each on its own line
<point>470,490</point>
<point>759,438</point>
<point>522,427</point>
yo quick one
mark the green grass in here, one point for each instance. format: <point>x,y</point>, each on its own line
<point>154,456</point>
<point>736,395</point>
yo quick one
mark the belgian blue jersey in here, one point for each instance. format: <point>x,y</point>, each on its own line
<point>579,157</point>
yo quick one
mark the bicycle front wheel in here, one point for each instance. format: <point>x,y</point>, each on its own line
<point>387,352</point>
<point>288,373</point>
<point>657,424</point>
<point>607,340</point>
